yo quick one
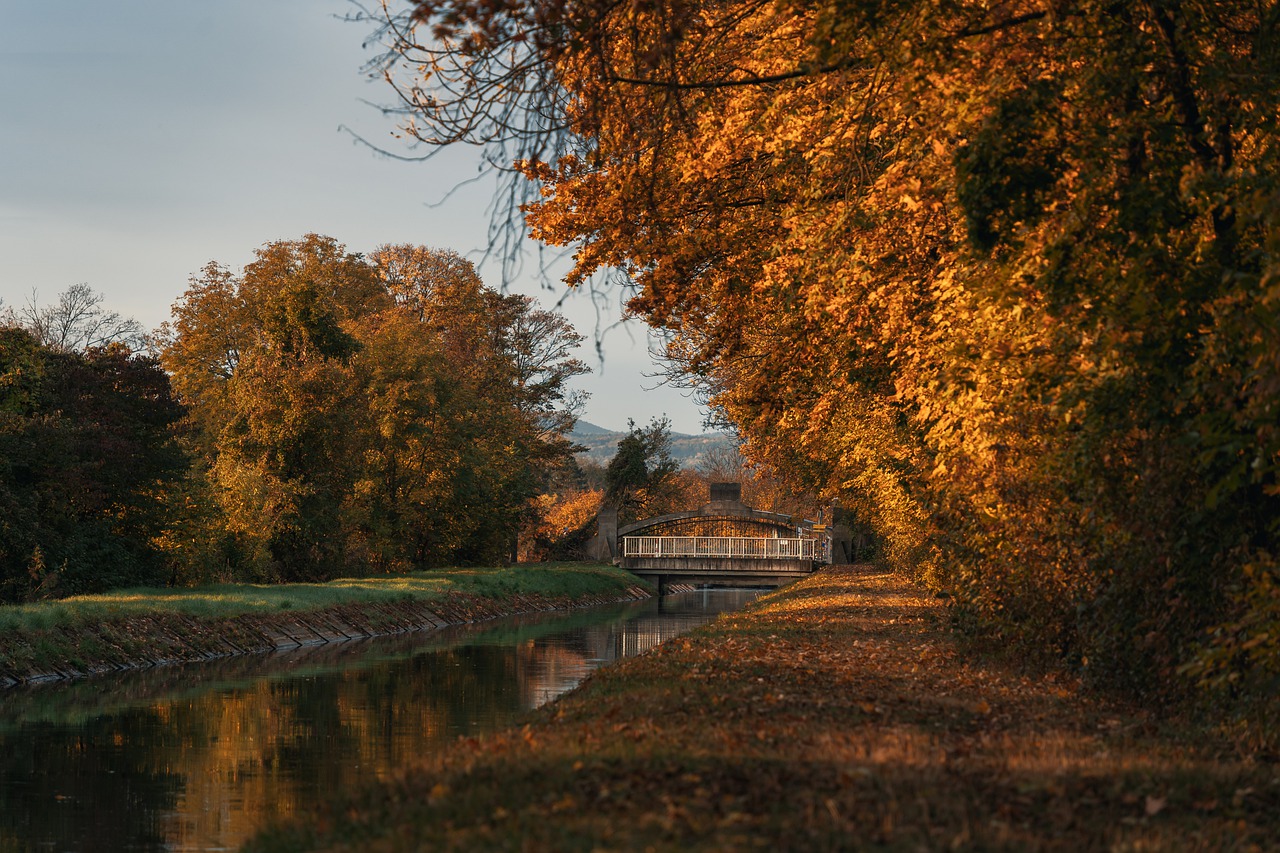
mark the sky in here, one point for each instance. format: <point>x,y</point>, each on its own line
<point>141,139</point>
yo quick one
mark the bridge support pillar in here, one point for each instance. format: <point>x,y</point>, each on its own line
<point>605,546</point>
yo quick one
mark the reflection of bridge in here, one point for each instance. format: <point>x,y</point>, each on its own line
<point>725,543</point>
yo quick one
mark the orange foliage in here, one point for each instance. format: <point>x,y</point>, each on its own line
<point>563,525</point>
<point>999,278</point>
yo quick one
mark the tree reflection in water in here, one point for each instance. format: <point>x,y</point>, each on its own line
<point>198,757</point>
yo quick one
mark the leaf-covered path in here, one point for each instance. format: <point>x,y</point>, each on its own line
<point>834,714</point>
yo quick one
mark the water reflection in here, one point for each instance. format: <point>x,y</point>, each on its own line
<point>198,757</point>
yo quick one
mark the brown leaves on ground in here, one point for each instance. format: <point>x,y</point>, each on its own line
<point>834,714</point>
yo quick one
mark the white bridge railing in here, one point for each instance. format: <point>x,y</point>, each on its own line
<point>718,546</point>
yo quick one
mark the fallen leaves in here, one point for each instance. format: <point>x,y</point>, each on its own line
<point>1155,805</point>
<point>793,738</point>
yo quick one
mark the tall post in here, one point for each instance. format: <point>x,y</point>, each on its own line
<point>843,549</point>
<point>605,546</point>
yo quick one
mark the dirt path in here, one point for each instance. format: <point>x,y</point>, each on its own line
<point>836,714</point>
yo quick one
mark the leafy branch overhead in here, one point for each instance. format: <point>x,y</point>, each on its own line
<point>1000,277</point>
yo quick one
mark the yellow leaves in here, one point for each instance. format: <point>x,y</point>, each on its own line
<point>818,246</point>
<point>960,748</point>
<point>567,803</point>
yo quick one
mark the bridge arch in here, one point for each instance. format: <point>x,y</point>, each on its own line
<point>717,519</point>
<point>724,541</point>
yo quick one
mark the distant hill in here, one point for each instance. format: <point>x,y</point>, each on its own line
<point>584,429</point>
<point>601,443</point>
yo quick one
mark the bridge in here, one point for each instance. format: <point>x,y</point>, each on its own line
<point>724,543</point>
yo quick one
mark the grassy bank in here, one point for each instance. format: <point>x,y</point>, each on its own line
<point>143,626</point>
<point>834,714</point>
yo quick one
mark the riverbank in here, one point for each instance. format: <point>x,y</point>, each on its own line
<point>134,628</point>
<point>837,713</point>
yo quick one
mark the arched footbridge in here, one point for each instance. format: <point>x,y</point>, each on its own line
<point>724,543</point>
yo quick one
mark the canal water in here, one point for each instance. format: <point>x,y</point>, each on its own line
<point>199,757</point>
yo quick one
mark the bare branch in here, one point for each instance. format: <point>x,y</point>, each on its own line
<point>77,322</point>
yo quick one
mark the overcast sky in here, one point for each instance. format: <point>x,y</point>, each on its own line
<point>140,139</point>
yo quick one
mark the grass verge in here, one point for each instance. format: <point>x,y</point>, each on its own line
<point>129,626</point>
<point>834,714</point>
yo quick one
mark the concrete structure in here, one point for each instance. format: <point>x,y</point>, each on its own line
<point>605,546</point>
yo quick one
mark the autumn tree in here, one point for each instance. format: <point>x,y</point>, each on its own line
<point>367,413</point>
<point>509,364</point>
<point>762,487</point>
<point>263,361</point>
<point>1000,276</point>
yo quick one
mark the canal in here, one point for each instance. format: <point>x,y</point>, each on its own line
<point>199,757</point>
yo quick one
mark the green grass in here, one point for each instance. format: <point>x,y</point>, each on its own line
<point>131,626</point>
<point>76,702</point>
<point>570,580</point>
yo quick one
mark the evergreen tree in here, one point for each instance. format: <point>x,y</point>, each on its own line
<point>640,480</point>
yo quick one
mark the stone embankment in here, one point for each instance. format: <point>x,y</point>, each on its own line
<point>137,642</point>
